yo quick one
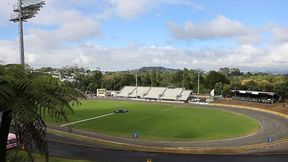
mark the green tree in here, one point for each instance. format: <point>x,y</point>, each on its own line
<point>226,90</point>
<point>186,82</point>
<point>264,85</point>
<point>25,98</point>
<point>177,78</point>
<point>145,78</point>
<point>214,77</point>
<point>235,72</point>
<point>166,79</point>
<point>282,90</point>
<point>250,85</point>
<point>154,79</point>
<point>225,71</point>
<point>218,88</point>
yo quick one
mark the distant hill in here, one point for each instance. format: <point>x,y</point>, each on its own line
<point>156,68</point>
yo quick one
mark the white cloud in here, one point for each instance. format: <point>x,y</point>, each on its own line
<point>8,52</point>
<point>280,34</point>
<point>6,7</point>
<point>245,57</point>
<point>130,9</point>
<point>220,27</point>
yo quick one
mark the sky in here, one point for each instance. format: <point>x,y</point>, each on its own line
<point>251,35</point>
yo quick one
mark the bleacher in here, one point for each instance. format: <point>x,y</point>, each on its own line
<point>155,93</point>
<point>172,93</point>
<point>141,92</point>
<point>255,96</point>
<point>126,91</point>
<point>184,96</point>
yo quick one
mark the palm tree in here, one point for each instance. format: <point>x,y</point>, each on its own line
<point>25,99</point>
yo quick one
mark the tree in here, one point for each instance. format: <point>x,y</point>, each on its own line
<point>264,85</point>
<point>25,98</point>
<point>282,90</point>
<point>235,72</point>
<point>218,88</point>
<point>226,90</point>
<point>225,71</point>
<point>166,79</point>
<point>250,85</point>
<point>145,78</point>
<point>214,77</point>
<point>177,78</point>
<point>154,79</point>
<point>186,82</point>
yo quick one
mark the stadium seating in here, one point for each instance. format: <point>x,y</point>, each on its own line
<point>126,91</point>
<point>141,92</point>
<point>155,93</point>
<point>172,93</point>
<point>184,96</point>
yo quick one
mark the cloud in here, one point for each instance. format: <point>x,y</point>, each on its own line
<point>6,7</point>
<point>245,57</point>
<point>280,34</point>
<point>220,27</point>
<point>130,9</point>
<point>8,52</point>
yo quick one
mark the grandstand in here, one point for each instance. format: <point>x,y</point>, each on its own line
<point>184,96</point>
<point>172,93</point>
<point>255,96</point>
<point>126,91</point>
<point>155,93</point>
<point>140,92</point>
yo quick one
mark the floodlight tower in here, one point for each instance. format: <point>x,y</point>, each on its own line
<point>25,10</point>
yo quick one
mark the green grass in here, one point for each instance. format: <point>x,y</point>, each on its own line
<point>155,121</point>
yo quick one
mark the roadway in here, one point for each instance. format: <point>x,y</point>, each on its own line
<point>74,149</point>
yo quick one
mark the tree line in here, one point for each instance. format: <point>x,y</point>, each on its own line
<point>223,80</point>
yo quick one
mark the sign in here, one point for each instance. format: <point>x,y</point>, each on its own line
<point>135,135</point>
<point>270,139</point>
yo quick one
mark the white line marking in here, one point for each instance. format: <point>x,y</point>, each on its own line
<point>80,121</point>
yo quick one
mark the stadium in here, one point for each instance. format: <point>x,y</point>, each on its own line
<point>162,119</point>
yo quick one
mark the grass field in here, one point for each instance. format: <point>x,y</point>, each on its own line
<point>156,121</point>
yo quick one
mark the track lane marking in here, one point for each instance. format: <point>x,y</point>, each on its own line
<point>84,120</point>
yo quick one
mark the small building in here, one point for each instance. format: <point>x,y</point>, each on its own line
<point>101,92</point>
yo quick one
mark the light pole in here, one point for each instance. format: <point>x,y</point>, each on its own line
<point>25,10</point>
<point>198,86</point>
<point>136,84</point>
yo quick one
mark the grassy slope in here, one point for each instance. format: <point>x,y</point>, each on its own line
<point>162,121</point>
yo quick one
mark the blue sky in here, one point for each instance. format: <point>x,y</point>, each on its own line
<point>128,34</point>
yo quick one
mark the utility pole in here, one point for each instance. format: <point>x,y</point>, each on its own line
<point>136,84</point>
<point>198,85</point>
<point>25,10</point>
